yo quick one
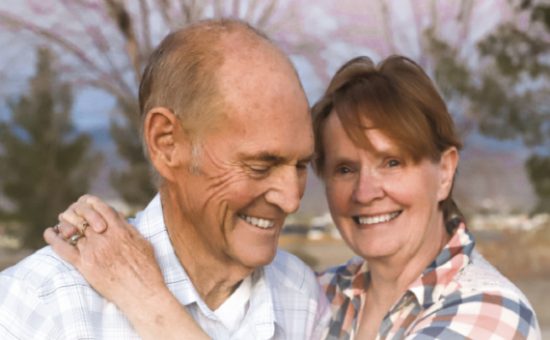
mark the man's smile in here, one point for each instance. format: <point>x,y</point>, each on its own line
<point>257,221</point>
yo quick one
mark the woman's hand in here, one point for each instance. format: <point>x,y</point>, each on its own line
<point>116,260</point>
<point>120,264</point>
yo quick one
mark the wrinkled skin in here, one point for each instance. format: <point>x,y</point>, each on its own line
<point>119,273</point>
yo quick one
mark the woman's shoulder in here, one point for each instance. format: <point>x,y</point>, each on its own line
<point>482,277</point>
<point>480,301</point>
<point>481,287</point>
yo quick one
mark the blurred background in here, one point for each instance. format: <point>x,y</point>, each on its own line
<point>69,71</point>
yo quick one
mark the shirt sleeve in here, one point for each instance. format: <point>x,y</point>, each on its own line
<point>479,316</point>
<point>22,313</point>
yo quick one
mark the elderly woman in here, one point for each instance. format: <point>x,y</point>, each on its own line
<point>387,152</point>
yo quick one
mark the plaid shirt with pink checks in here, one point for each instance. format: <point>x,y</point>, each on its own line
<point>458,296</point>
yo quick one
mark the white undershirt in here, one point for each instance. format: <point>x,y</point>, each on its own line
<point>232,311</point>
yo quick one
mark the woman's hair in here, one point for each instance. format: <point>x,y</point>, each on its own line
<point>397,98</point>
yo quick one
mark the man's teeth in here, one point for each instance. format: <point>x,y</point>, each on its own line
<point>378,219</point>
<point>258,222</point>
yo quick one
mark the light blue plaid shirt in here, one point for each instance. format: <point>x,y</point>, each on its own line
<point>43,297</point>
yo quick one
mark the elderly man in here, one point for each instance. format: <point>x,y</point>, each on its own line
<point>225,125</point>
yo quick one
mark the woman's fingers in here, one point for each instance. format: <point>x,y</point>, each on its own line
<point>85,210</point>
<point>109,215</point>
<point>66,251</point>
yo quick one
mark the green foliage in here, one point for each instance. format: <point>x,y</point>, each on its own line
<point>538,169</point>
<point>513,107</point>
<point>134,183</point>
<point>506,92</point>
<point>44,163</point>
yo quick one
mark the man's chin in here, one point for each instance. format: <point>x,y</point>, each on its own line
<point>256,259</point>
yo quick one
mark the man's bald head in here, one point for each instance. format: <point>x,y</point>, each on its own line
<point>183,72</point>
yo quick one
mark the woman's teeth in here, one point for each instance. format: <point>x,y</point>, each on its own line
<point>258,222</point>
<point>377,219</point>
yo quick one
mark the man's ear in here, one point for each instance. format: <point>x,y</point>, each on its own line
<point>166,141</point>
<point>447,167</point>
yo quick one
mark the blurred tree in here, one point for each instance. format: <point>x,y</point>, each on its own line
<point>516,87</point>
<point>44,163</point>
<point>106,43</point>
<point>538,168</point>
<point>504,94</point>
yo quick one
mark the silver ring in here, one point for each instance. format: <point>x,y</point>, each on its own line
<point>74,239</point>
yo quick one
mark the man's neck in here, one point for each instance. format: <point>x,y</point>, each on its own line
<point>215,278</point>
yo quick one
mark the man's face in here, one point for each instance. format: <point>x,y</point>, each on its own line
<point>251,169</point>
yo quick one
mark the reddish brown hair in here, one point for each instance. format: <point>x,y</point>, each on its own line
<point>396,97</point>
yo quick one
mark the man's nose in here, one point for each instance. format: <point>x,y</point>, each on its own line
<point>286,189</point>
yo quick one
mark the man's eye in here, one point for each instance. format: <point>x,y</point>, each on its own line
<point>260,169</point>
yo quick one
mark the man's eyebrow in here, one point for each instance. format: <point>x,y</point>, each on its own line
<point>273,158</point>
<point>264,157</point>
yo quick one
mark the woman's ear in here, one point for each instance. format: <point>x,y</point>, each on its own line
<point>165,139</point>
<point>447,167</point>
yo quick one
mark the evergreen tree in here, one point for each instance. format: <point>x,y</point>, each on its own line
<point>538,169</point>
<point>44,163</point>
<point>521,57</point>
<point>106,46</point>
<point>507,91</point>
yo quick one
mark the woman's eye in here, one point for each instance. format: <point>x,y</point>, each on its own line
<point>343,170</point>
<point>301,166</point>
<point>392,163</point>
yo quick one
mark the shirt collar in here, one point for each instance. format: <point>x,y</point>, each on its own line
<point>440,273</point>
<point>354,278</point>
<point>431,283</point>
<point>150,223</point>
<point>261,309</point>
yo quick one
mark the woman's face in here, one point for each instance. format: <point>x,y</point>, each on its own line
<point>384,204</point>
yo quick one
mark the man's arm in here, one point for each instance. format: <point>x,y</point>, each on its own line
<point>120,264</point>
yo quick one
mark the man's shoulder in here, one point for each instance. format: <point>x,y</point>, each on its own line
<point>300,305</point>
<point>289,271</point>
<point>41,271</point>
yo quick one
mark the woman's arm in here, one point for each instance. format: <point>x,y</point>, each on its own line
<point>120,264</point>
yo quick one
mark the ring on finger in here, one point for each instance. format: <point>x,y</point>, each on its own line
<point>56,228</point>
<point>74,239</point>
